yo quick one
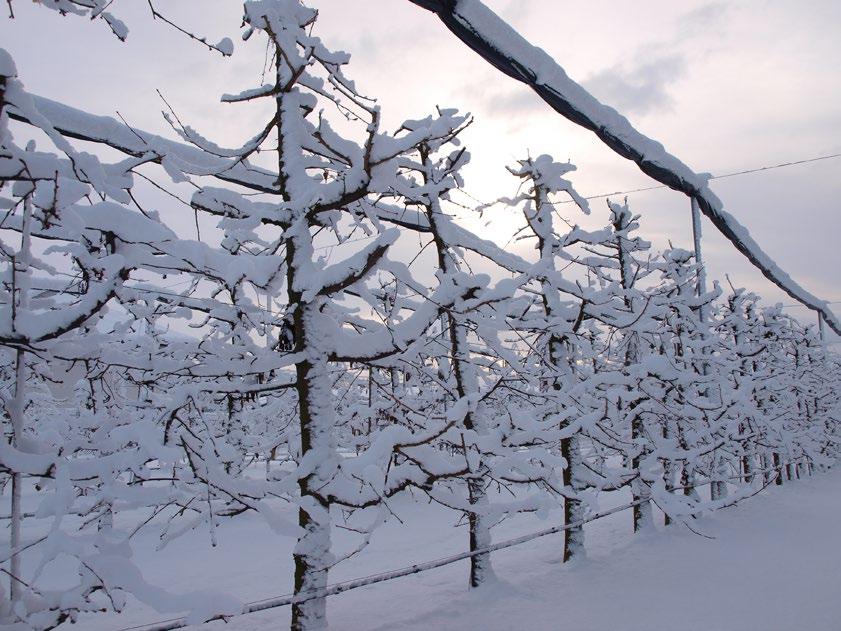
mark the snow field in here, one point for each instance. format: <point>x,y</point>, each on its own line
<point>774,564</point>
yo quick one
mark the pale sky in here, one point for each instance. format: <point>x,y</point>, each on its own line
<point>724,86</point>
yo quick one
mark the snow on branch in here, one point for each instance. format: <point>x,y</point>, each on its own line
<point>499,44</point>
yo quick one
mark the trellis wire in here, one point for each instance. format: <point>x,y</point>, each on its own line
<point>344,586</point>
<point>372,579</point>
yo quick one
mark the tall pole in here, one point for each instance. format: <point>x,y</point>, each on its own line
<point>701,285</point>
<point>718,489</point>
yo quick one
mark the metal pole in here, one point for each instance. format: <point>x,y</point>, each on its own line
<point>701,286</point>
<point>717,490</point>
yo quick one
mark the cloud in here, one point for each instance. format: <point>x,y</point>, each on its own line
<point>700,21</point>
<point>518,101</point>
<point>639,88</point>
<point>504,98</point>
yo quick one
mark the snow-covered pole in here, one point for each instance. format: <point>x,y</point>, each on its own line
<point>701,284</point>
<point>701,278</point>
<point>508,51</point>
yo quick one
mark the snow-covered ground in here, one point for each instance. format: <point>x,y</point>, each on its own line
<point>774,564</point>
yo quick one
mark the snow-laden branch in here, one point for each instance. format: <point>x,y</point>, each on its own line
<point>499,44</point>
<point>73,123</point>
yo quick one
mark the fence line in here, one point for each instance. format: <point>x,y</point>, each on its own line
<point>372,579</point>
<point>344,586</point>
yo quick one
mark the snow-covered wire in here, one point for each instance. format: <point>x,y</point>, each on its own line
<point>344,586</point>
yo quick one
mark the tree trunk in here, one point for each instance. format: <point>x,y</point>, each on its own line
<point>642,513</point>
<point>764,464</point>
<point>14,541</point>
<point>573,509</point>
<point>687,474</point>
<point>643,518</point>
<point>480,527</point>
<point>312,554</point>
<point>467,385</point>
<point>668,471</point>
<point>748,462</point>
<point>480,534</point>
<point>20,303</point>
<point>777,468</point>
<point>17,412</point>
<point>718,487</point>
